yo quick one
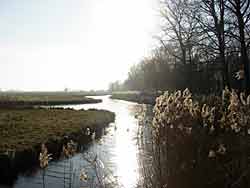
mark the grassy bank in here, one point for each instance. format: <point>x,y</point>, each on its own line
<point>24,129</point>
<point>139,97</point>
<point>8,99</point>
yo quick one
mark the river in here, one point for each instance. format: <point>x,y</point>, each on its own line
<point>117,154</point>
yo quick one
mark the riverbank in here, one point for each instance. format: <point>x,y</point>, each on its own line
<point>23,131</point>
<point>139,97</point>
<point>27,99</point>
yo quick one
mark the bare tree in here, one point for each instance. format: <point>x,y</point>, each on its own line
<point>240,9</point>
<point>211,18</point>
<point>179,28</point>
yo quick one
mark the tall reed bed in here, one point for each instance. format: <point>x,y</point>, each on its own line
<point>197,144</point>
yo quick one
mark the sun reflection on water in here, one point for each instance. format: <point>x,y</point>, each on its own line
<point>126,150</point>
<point>122,146</point>
<point>117,149</point>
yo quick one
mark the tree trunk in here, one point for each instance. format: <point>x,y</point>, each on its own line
<point>243,50</point>
<point>225,76</point>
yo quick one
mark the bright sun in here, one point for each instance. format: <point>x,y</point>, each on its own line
<point>121,34</point>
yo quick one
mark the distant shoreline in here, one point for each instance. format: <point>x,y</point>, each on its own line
<point>26,100</point>
<point>21,104</point>
<point>139,97</point>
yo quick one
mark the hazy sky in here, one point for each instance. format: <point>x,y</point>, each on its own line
<point>79,44</point>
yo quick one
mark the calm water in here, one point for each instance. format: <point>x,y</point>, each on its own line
<point>117,151</point>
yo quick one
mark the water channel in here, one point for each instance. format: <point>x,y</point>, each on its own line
<point>117,153</point>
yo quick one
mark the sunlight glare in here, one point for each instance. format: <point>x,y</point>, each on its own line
<point>86,47</point>
<point>126,151</point>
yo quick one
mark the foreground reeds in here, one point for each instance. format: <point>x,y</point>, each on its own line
<point>201,145</point>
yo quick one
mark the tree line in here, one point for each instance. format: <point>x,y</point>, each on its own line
<point>203,45</point>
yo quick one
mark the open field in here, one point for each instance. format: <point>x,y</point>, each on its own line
<point>23,129</point>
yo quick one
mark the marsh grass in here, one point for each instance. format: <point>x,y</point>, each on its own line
<point>26,128</point>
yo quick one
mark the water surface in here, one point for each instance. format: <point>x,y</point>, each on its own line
<point>117,151</point>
